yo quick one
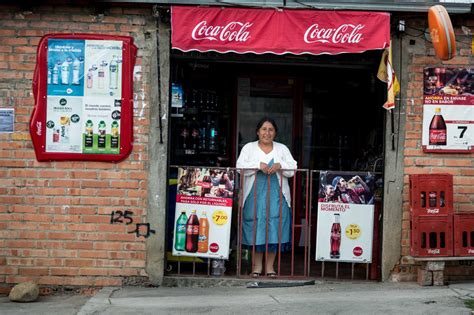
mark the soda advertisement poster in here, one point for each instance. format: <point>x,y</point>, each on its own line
<point>84,87</point>
<point>448,110</point>
<point>203,213</point>
<point>345,218</point>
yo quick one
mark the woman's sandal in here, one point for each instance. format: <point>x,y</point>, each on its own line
<point>272,274</point>
<point>256,274</point>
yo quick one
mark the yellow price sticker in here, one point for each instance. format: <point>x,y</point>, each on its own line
<point>353,231</point>
<point>220,217</point>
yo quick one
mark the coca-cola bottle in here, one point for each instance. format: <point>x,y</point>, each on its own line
<point>335,240</point>
<point>184,135</point>
<point>437,133</point>
<point>192,233</point>
<point>194,129</point>
<point>432,199</point>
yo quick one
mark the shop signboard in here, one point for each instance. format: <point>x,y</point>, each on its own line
<point>83,97</point>
<point>345,218</point>
<point>448,110</point>
<point>203,213</point>
<point>282,31</point>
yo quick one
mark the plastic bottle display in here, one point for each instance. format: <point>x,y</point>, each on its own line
<point>101,75</point>
<point>203,239</point>
<point>437,132</point>
<point>114,135</point>
<point>113,73</point>
<point>50,75</point>
<point>90,79</point>
<point>192,233</point>
<point>65,73</point>
<point>101,138</point>
<point>55,74</point>
<point>180,232</point>
<point>335,240</point>
<point>89,137</point>
<point>76,68</point>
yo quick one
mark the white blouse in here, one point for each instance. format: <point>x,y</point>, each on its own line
<point>250,158</point>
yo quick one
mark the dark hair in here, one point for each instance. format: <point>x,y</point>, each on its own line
<point>264,120</point>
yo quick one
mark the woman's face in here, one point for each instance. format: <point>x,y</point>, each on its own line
<point>266,133</point>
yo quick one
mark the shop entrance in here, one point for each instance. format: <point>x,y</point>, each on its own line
<point>329,113</point>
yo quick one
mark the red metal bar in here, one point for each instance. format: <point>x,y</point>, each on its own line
<point>305,265</point>
<point>239,223</point>
<point>280,223</point>
<point>293,211</point>
<point>267,218</point>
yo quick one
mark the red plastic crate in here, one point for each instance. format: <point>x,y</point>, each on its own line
<point>464,234</point>
<point>432,236</point>
<point>431,194</point>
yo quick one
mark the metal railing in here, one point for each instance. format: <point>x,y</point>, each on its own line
<point>298,262</point>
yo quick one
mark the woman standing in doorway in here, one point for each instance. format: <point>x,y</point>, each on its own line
<point>261,188</point>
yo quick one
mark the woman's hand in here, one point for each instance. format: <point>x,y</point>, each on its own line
<point>264,167</point>
<point>274,168</point>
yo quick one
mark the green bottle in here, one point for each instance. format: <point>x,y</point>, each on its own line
<point>180,232</point>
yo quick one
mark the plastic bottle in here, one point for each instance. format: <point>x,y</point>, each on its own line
<point>437,133</point>
<point>90,78</point>
<point>76,68</point>
<point>114,141</point>
<point>203,238</point>
<point>180,232</point>
<point>55,73</point>
<point>113,73</point>
<point>65,73</point>
<point>89,137</point>
<point>101,75</point>
<point>335,238</point>
<point>101,138</point>
<point>192,233</point>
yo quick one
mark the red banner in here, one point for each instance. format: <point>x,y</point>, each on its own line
<point>278,31</point>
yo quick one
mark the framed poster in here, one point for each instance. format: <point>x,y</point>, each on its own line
<point>203,213</point>
<point>83,97</point>
<point>345,218</point>
<point>448,110</point>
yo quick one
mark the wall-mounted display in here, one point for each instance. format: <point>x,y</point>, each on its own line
<point>448,110</point>
<point>83,97</point>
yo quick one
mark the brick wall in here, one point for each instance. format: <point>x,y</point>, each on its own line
<point>421,54</point>
<point>55,216</point>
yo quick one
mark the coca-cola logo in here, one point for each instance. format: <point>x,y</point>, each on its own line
<point>470,251</point>
<point>433,251</point>
<point>343,34</point>
<point>214,247</point>
<point>432,211</point>
<point>231,32</point>
<point>357,251</point>
<point>38,128</point>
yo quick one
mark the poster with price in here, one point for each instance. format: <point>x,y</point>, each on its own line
<point>345,218</point>
<point>83,97</point>
<point>203,213</point>
<point>448,110</point>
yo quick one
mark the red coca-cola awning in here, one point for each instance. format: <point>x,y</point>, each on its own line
<point>278,31</point>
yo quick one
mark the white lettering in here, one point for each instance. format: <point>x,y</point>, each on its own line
<point>344,34</point>
<point>232,32</point>
<point>433,251</point>
<point>38,128</point>
<point>432,210</point>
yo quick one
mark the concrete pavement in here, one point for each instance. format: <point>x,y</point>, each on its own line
<point>320,298</point>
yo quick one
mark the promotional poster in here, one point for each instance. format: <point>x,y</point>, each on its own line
<point>345,218</point>
<point>84,90</point>
<point>203,213</point>
<point>448,110</point>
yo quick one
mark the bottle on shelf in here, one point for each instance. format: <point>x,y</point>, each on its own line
<point>194,134</point>
<point>184,135</point>
<point>212,143</point>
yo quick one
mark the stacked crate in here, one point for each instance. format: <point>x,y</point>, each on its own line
<point>431,215</point>
<point>464,234</point>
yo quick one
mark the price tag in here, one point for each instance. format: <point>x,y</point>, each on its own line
<point>353,231</point>
<point>220,217</point>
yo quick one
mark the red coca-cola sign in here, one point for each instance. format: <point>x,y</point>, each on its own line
<point>214,247</point>
<point>357,251</point>
<point>232,32</point>
<point>278,31</point>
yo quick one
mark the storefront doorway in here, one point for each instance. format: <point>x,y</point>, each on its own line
<point>329,113</point>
